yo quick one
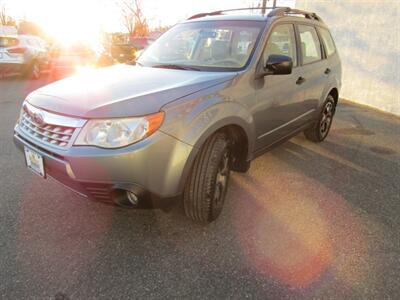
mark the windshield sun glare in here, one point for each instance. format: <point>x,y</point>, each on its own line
<point>207,45</point>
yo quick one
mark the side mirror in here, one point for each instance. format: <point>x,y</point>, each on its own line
<point>278,65</point>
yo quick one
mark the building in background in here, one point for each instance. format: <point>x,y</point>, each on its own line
<point>367,34</point>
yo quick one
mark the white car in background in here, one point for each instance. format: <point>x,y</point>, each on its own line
<point>24,55</point>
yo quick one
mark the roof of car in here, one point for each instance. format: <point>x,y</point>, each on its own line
<point>231,17</point>
<point>256,15</point>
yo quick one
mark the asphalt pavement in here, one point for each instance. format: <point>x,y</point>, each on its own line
<point>308,221</point>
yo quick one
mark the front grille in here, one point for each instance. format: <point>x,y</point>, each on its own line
<point>48,128</point>
<point>53,135</point>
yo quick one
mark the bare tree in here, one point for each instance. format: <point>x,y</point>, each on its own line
<point>263,5</point>
<point>128,19</point>
<point>133,19</point>
<point>2,14</point>
<point>4,18</point>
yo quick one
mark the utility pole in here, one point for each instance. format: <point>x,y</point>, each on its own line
<point>264,5</point>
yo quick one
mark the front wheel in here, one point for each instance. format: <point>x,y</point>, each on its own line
<point>319,131</point>
<point>206,188</point>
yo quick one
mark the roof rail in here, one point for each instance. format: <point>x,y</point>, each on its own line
<point>276,12</point>
<point>220,12</point>
<point>284,11</point>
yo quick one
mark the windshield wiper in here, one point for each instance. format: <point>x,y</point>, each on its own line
<point>176,67</point>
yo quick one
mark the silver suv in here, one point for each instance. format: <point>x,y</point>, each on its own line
<point>209,96</point>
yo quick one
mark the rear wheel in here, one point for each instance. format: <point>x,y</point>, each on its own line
<point>319,131</point>
<point>32,71</point>
<point>206,188</point>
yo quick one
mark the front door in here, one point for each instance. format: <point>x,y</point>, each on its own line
<point>280,98</point>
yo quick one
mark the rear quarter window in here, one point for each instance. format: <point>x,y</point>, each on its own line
<point>327,40</point>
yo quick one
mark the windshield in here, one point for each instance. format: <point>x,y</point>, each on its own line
<point>206,45</point>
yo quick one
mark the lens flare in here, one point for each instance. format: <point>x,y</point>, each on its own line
<point>67,22</point>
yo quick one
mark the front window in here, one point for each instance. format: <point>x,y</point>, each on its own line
<point>206,45</point>
<point>282,41</point>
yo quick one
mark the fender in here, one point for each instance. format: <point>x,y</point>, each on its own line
<point>334,81</point>
<point>193,121</point>
<point>206,133</point>
<point>332,85</point>
<point>217,117</point>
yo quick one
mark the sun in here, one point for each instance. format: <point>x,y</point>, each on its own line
<point>65,21</point>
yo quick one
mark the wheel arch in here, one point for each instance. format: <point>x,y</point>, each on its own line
<point>334,92</point>
<point>238,131</point>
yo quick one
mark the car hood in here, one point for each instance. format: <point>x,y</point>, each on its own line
<point>122,90</point>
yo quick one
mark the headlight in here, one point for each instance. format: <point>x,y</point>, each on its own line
<point>119,132</point>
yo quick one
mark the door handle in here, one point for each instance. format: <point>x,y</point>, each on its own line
<point>327,71</point>
<point>300,80</point>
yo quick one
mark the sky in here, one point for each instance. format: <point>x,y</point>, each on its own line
<point>72,19</point>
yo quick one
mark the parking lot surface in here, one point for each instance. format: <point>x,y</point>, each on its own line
<point>308,221</point>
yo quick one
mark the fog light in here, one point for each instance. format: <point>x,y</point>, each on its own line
<point>133,199</point>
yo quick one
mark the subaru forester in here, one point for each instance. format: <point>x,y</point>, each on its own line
<point>206,98</point>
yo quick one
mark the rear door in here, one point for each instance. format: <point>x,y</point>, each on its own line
<point>35,47</point>
<point>314,66</point>
<point>41,52</point>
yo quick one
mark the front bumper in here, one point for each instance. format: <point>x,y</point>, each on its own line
<point>154,166</point>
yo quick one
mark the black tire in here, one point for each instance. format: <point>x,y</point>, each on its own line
<point>319,131</point>
<point>206,187</point>
<point>33,71</point>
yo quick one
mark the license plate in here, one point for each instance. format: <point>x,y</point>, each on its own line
<point>34,161</point>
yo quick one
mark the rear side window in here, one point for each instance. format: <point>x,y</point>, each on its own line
<point>328,41</point>
<point>282,41</point>
<point>8,42</point>
<point>310,45</point>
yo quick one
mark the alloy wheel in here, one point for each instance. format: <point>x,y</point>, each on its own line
<point>326,120</point>
<point>221,181</point>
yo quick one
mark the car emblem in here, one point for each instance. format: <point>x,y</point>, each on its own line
<point>38,119</point>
